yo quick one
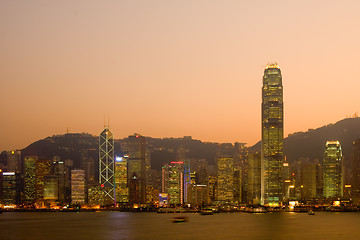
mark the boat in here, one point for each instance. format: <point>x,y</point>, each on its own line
<point>179,219</point>
<point>311,212</point>
<point>207,211</point>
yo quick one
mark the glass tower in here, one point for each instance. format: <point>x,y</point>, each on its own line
<point>333,170</point>
<point>106,163</point>
<point>272,136</point>
<point>137,167</point>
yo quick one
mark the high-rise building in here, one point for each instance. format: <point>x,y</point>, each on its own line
<point>51,188</point>
<point>356,167</point>
<point>121,180</point>
<point>42,168</point>
<point>333,170</point>
<point>10,188</point>
<point>173,175</point>
<point>136,167</point>
<point>225,179</point>
<point>106,164</point>
<point>60,172</point>
<point>187,178</point>
<point>30,179</point>
<point>272,136</point>
<point>308,188</point>
<point>240,171</point>
<point>77,186</point>
<point>254,178</point>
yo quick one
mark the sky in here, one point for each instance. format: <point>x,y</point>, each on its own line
<point>173,68</point>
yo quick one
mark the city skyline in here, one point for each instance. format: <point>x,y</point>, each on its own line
<point>195,68</point>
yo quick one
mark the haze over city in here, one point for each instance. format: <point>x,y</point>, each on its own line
<point>173,68</point>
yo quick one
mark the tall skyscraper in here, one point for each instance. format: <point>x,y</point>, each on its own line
<point>60,172</point>
<point>308,181</point>
<point>30,179</point>
<point>121,180</point>
<point>187,179</point>
<point>42,168</point>
<point>254,178</point>
<point>136,167</point>
<point>225,179</point>
<point>333,170</point>
<point>272,136</point>
<point>106,164</point>
<point>173,177</point>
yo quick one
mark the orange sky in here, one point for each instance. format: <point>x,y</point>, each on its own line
<point>173,68</point>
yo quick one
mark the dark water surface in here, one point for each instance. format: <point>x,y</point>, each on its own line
<point>119,225</point>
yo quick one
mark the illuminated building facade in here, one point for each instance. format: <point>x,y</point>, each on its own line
<point>272,136</point>
<point>51,188</point>
<point>173,175</point>
<point>356,167</point>
<point>106,164</point>
<point>240,172</point>
<point>42,168</point>
<point>187,178</point>
<point>134,189</point>
<point>77,186</point>
<point>254,178</point>
<point>60,172</point>
<point>136,167</point>
<point>225,179</point>
<point>30,179</point>
<point>96,196</point>
<point>10,188</point>
<point>121,180</point>
<point>333,170</point>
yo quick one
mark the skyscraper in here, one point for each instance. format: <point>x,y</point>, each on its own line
<point>30,179</point>
<point>77,186</point>
<point>272,136</point>
<point>136,167</point>
<point>333,170</point>
<point>42,168</point>
<point>106,164</point>
<point>10,187</point>
<point>308,180</point>
<point>173,175</point>
<point>225,179</point>
<point>254,178</point>
<point>121,180</point>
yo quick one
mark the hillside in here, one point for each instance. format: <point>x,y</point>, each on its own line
<point>309,144</point>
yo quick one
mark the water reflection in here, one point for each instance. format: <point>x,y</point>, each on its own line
<point>118,225</point>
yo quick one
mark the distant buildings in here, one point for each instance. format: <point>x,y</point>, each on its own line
<point>272,136</point>
<point>333,170</point>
